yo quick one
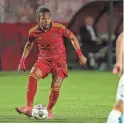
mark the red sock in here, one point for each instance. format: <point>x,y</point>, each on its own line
<point>31,90</point>
<point>53,98</point>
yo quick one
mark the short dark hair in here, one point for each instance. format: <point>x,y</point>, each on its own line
<point>41,9</point>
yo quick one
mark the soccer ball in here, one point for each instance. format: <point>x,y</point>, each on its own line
<point>39,111</point>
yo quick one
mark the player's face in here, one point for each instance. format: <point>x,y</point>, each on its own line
<point>45,20</point>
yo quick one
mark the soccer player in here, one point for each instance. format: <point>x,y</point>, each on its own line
<point>117,111</point>
<point>51,58</point>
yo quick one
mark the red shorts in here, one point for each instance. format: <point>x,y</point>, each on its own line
<point>46,67</point>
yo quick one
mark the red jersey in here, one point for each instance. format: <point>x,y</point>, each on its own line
<point>50,43</point>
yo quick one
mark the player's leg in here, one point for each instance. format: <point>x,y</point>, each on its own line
<point>54,94</point>
<point>35,75</point>
<point>119,106</point>
<point>115,114</point>
<point>117,111</point>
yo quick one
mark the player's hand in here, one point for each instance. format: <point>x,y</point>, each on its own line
<point>21,65</point>
<point>117,68</point>
<point>82,60</point>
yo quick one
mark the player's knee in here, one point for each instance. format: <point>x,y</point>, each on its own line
<point>119,106</point>
<point>55,87</point>
<point>36,73</point>
<point>56,84</point>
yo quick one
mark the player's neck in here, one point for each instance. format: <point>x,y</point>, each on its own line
<point>45,30</point>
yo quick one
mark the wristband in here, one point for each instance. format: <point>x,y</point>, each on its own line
<point>79,53</point>
<point>22,59</point>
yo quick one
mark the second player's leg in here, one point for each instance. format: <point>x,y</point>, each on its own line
<point>117,111</point>
<point>119,106</point>
<point>120,95</point>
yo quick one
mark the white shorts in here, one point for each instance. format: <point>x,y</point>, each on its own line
<point>120,89</point>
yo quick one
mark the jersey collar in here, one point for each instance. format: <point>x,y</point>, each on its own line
<point>41,30</point>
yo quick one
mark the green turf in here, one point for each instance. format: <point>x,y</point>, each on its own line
<point>86,96</point>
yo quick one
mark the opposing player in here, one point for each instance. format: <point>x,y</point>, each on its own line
<point>117,111</point>
<point>51,58</point>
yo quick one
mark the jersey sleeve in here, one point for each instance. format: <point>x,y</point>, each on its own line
<point>66,32</point>
<point>31,38</point>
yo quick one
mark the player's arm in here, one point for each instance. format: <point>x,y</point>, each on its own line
<point>28,47</point>
<point>119,48</point>
<point>119,51</point>
<point>76,45</point>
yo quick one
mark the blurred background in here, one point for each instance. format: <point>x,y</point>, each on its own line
<point>96,24</point>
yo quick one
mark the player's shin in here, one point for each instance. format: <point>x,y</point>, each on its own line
<point>31,90</point>
<point>54,94</point>
<point>114,116</point>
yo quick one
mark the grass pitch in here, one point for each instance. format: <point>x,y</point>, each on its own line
<point>86,96</point>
